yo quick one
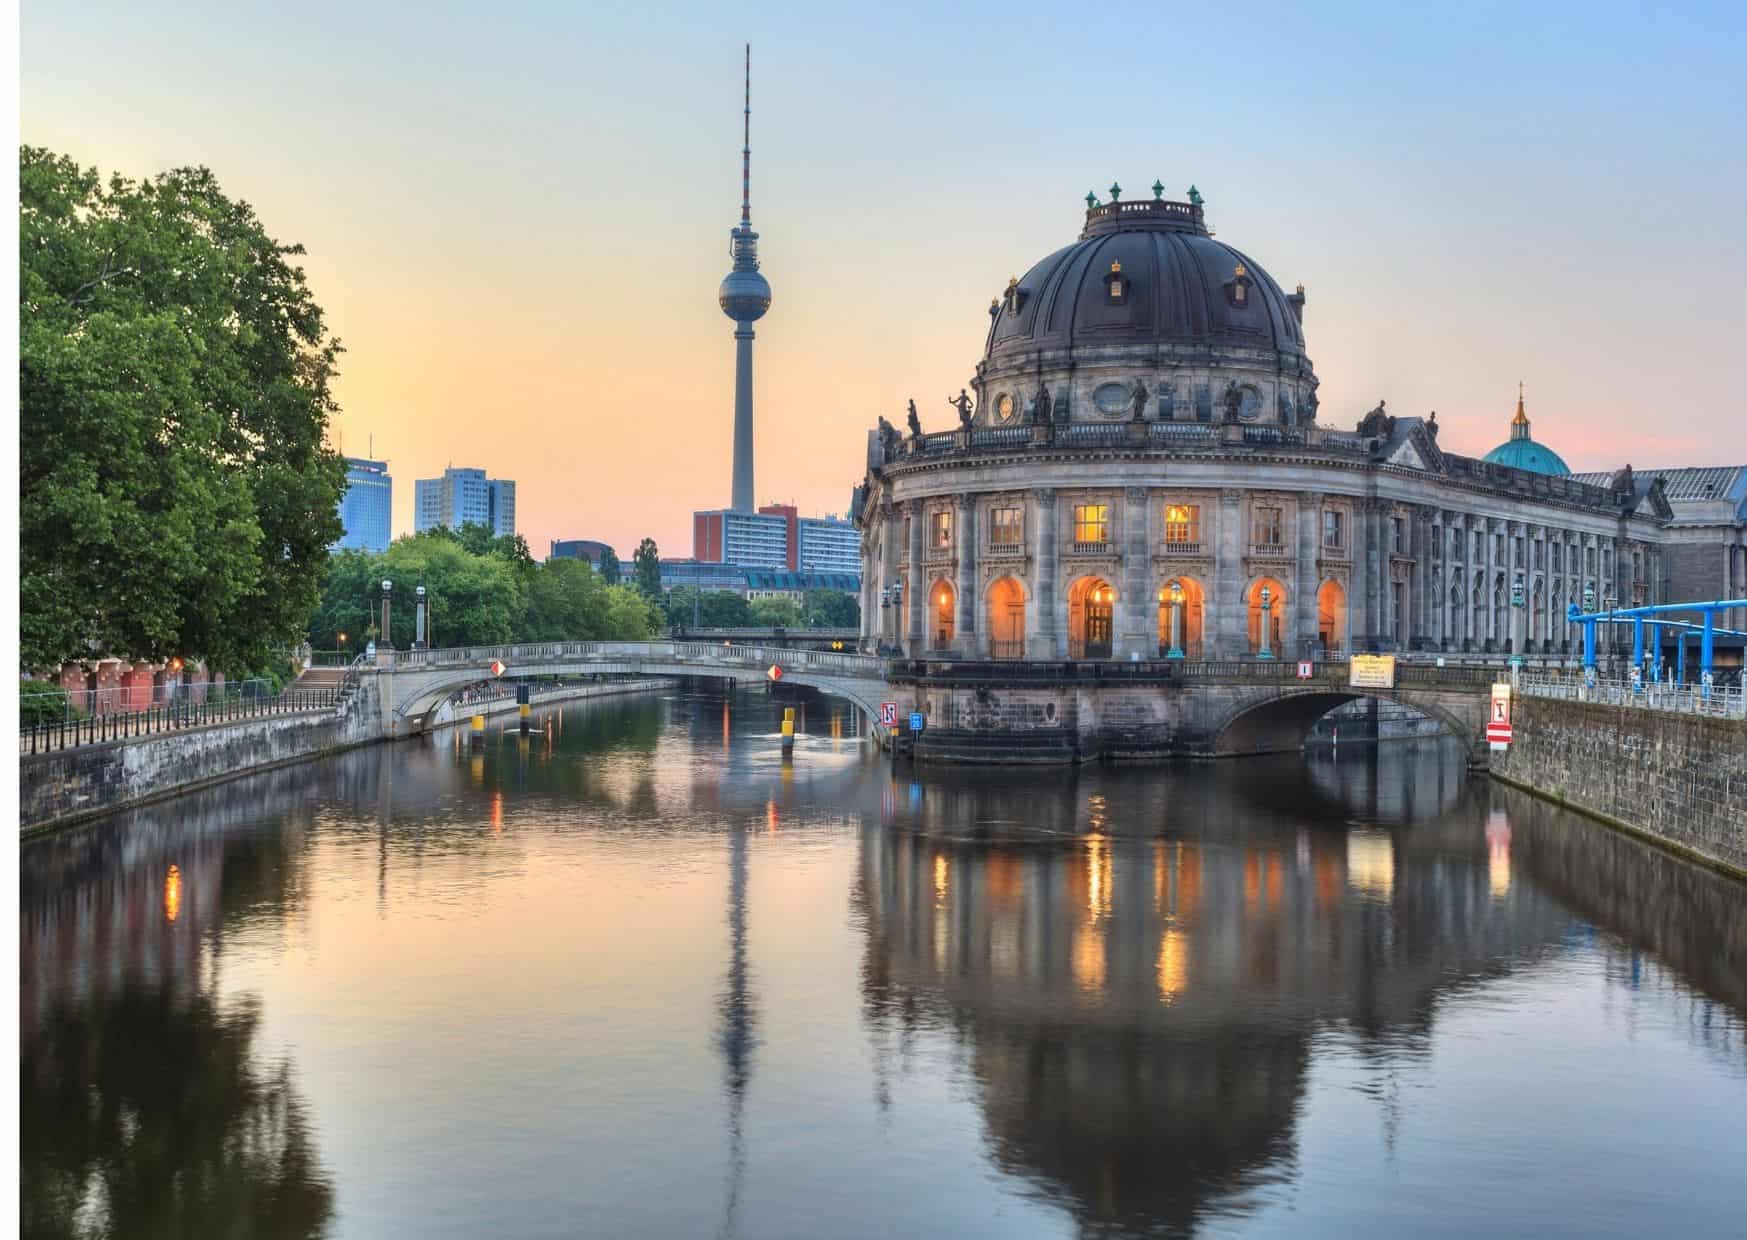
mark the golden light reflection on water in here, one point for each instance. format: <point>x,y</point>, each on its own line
<point>1498,853</point>
<point>1173,964</point>
<point>1089,962</point>
<point>173,894</point>
<point>942,878</point>
<point>497,812</point>
<point>1097,862</point>
<point>1371,862</point>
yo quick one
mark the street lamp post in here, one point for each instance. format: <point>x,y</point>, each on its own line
<point>420,620</point>
<point>1176,650</point>
<point>1267,650</point>
<point>387,592</point>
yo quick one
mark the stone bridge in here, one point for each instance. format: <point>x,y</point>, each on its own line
<point>985,711</point>
<point>412,684</point>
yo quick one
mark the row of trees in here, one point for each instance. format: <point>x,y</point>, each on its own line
<point>481,591</point>
<point>721,609</point>
<point>175,493</point>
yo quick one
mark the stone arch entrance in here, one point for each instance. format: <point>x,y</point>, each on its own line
<point>1276,611</point>
<point>942,613</point>
<point>1331,616</point>
<point>1182,612</point>
<point>1091,619</point>
<point>1006,626</point>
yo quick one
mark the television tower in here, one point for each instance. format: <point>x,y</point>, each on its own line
<point>744,297</point>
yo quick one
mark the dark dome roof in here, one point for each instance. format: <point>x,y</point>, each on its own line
<point>1181,288</point>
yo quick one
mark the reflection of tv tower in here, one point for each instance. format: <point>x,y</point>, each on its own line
<point>736,1036</point>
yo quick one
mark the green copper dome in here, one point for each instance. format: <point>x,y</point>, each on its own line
<point>1520,451</point>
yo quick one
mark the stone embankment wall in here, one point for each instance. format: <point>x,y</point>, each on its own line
<point>71,785</point>
<point>1680,779</point>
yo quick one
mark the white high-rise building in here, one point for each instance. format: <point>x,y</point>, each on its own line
<point>462,497</point>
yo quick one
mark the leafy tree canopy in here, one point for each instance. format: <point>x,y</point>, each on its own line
<point>777,613</point>
<point>646,569</point>
<point>476,597</point>
<point>176,496</point>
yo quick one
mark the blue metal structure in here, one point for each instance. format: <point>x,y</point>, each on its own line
<point>1638,617</point>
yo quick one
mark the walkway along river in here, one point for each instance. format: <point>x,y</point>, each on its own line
<point>637,976</point>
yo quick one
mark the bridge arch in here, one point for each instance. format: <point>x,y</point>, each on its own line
<point>1278,721</point>
<point>418,685</point>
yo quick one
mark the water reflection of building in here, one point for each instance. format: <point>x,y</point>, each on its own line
<point>1136,1000</point>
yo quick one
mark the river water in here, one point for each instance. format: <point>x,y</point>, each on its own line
<point>636,976</point>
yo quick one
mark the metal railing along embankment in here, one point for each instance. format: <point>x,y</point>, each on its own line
<point>177,716</point>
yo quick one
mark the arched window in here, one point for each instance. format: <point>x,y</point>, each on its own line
<point>1182,613</point>
<point>1091,618</point>
<point>942,608</point>
<point>1276,613</point>
<point>1006,619</point>
<point>1331,616</point>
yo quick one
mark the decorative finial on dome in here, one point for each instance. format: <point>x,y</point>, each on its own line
<point>1195,198</point>
<point>1158,190</point>
<point>1519,425</point>
<point>1115,192</point>
<point>1091,200</point>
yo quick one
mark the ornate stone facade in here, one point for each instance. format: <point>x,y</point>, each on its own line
<point>1145,477</point>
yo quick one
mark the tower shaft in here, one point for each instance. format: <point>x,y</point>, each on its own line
<point>743,491</point>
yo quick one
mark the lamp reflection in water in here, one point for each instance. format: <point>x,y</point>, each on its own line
<point>172,894</point>
<point>1498,853</point>
<point>1173,964</point>
<point>1371,862</point>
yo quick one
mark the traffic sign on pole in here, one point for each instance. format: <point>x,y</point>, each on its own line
<point>888,714</point>
<point>497,668</point>
<point>775,672</point>
<point>1306,669</point>
<point>1498,717</point>
<point>918,721</point>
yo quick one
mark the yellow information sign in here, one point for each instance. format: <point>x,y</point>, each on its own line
<point>1372,671</point>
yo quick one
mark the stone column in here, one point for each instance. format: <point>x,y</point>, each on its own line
<point>1418,525</point>
<point>916,585</point>
<point>1042,625</point>
<point>1375,560</point>
<point>1135,634</point>
<point>1230,619</point>
<point>891,552</point>
<point>1306,579</point>
<point>1495,629</point>
<point>968,638</point>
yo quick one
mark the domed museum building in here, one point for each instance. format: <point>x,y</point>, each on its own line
<point>1140,471</point>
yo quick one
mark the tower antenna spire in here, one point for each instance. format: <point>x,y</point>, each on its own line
<point>746,147</point>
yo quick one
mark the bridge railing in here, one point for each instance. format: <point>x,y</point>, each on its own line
<point>524,654</point>
<point>1282,672</point>
<point>1719,701</point>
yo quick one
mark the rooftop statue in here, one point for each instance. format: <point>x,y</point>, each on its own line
<point>1040,409</point>
<point>915,422</point>
<point>1139,400</point>
<point>962,403</point>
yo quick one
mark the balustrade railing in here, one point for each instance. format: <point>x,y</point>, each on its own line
<point>1726,702</point>
<point>1270,551</point>
<point>1005,548</point>
<point>1088,546</point>
<point>216,709</point>
<point>1182,547</point>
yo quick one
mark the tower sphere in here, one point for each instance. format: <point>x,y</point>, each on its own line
<point>744,296</point>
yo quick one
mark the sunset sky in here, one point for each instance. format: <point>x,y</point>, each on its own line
<point>517,214</point>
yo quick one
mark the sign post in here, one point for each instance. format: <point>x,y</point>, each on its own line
<point>1306,669</point>
<point>888,714</point>
<point>918,721</point>
<point>1498,717</point>
<point>1371,671</point>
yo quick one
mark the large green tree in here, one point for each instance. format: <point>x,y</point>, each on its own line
<point>830,609</point>
<point>646,569</point>
<point>176,496</point>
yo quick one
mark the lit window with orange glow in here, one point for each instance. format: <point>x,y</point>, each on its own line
<point>1091,522</point>
<point>1182,523</point>
<point>940,529</point>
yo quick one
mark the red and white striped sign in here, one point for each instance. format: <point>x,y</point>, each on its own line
<point>1498,717</point>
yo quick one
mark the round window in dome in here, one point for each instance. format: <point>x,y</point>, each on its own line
<point>1111,398</point>
<point>1004,407</point>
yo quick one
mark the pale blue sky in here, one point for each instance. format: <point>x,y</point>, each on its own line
<point>517,215</point>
